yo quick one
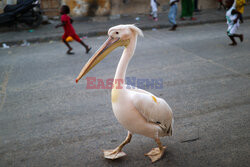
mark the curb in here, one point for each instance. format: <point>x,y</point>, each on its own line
<point>57,37</point>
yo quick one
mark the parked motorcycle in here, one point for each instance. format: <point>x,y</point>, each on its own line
<point>25,11</point>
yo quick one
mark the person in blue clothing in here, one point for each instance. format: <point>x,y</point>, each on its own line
<point>173,13</point>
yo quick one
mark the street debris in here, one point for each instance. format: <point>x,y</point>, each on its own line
<point>5,46</point>
<point>84,37</point>
<point>45,19</point>
<point>31,30</point>
<point>137,18</point>
<point>114,17</point>
<point>25,43</point>
<point>190,140</point>
<point>51,41</point>
<point>56,18</point>
<point>52,22</point>
<point>154,29</point>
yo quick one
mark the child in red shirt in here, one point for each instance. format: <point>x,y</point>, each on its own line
<point>69,30</point>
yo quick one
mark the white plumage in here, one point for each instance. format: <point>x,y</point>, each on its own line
<point>137,110</point>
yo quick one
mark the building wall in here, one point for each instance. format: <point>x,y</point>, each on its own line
<point>88,7</point>
<point>4,2</point>
<point>208,4</point>
<point>51,7</point>
<point>143,6</point>
<point>130,6</point>
<point>107,7</point>
<point>127,7</point>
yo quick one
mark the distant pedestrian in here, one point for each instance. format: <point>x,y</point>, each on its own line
<point>187,9</point>
<point>240,8</point>
<point>221,4</point>
<point>196,9</point>
<point>173,13</point>
<point>66,23</point>
<point>233,21</point>
<point>154,4</point>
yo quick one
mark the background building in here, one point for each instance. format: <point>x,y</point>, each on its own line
<point>107,7</point>
<point>115,7</point>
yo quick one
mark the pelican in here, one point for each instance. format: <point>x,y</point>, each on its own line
<point>137,110</point>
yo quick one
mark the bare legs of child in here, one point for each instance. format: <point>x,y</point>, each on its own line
<point>86,46</point>
<point>240,36</point>
<point>70,48</point>
<point>241,18</point>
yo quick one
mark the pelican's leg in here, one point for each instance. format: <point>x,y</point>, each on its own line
<point>117,152</point>
<point>156,153</point>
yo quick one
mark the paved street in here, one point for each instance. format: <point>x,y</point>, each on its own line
<point>48,120</point>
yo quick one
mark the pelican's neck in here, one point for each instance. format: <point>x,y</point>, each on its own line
<point>127,54</point>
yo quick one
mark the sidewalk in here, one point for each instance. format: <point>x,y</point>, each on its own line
<point>94,28</point>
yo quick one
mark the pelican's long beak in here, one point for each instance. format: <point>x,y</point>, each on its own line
<point>101,53</point>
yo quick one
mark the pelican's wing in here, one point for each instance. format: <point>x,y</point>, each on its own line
<point>152,108</point>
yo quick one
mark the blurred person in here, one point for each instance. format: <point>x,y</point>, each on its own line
<point>240,8</point>
<point>196,9</point>
<point>66,23</point>
<point>154,4</point>
<point>233,21</point>
<point>187,9</point>
<point>173,13</point>
<point>221,4</point>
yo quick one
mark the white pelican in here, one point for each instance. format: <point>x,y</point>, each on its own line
<point>137,110</point>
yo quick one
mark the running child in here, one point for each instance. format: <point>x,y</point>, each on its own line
<point>233,21</point>
<point>69,30</point>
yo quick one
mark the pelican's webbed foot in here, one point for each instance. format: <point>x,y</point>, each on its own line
<point>113,154</point>
<point>156,153</point>
<point>117,152</point>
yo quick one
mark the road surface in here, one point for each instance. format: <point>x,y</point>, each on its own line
<point>48,120</point>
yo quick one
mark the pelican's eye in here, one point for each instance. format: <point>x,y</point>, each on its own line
<point>117,32</point>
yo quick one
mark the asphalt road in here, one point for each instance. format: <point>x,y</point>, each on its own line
<point>48,120</point>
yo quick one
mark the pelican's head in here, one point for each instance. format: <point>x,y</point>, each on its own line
<point>124,32</point>
<point>118,36</point>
